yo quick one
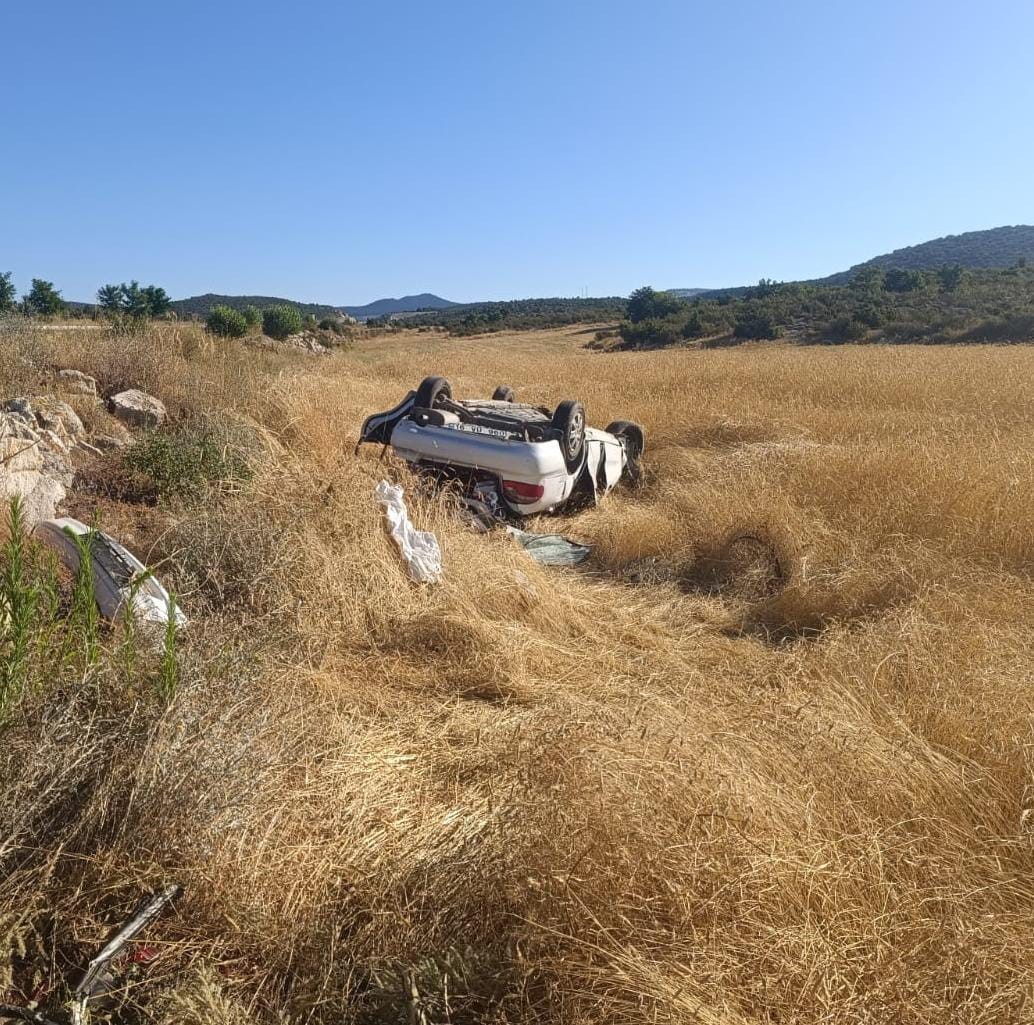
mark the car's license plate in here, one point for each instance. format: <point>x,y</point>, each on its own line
<point>478,429</point>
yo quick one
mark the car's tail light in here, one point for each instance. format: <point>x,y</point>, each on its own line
<point>519,493</point>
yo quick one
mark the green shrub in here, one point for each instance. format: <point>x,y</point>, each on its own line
<point>188,458</point>
<point>647,304</point>
<point>1014,327</point>
<point>951,277</point>
<point>755,325</point>
<point>843,329</point>
<point>898,280</point>
<point>650,334</point>
<point>226,322</point>
<point>335,324</point>
<point>280,321</point>
<point>252,315</point>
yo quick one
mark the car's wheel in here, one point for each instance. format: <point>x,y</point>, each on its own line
<point>569,427</point>
<point>504,393</point>
<point>431,391</point>
<point>631,434</point>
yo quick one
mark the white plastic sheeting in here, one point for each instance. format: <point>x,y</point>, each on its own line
<point>419,548</point>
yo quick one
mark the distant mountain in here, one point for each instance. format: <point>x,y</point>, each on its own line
<point>407,304</point>
<point>995,247</point>
<point>687,293</point>
<point>199,305</point>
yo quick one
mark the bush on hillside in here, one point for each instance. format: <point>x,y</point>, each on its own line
<point>335,324</point>
<point>651,334</point>
<point>705,321</point>
<point>1014,327</point>
<point>647,304</point>
<point>281,321</point>
<point>252,315</point>
<point>755,325</point>
<point>843,329</point>
<point>226,322</point>
<point>898,280</point>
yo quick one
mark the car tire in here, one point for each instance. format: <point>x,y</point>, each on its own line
<point>633,436</point>
<point>569,429</point>
<point>504,393</point>
<point>431,391</point>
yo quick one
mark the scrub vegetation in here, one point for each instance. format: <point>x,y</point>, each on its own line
<point>950,304</point>
<point>641,793</point>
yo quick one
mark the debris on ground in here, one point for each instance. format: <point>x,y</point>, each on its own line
<point>98,980</point>
<point>97,976</point>
<point>551,549</point>
<point>123,586</point>
<point>137,408</point>
<point>419,548</point>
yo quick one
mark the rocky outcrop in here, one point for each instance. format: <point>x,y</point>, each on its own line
<point>36,437</point>
<point>137,408</point>
<point>76,381</point>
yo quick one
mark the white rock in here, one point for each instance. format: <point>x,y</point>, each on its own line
<point>32,468</point>
<point>77,381</point>
<point>54,415</point>
<point>137,408</point>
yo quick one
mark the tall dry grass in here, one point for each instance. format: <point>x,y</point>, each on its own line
<point>520,795</point>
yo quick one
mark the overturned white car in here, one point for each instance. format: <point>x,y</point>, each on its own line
<point>508,457</point>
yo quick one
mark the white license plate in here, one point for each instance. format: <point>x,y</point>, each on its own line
<point>478,429</point>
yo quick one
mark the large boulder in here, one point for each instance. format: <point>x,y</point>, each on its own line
<point>137,408</point>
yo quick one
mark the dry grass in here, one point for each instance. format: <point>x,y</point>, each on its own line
<point>529,795</point>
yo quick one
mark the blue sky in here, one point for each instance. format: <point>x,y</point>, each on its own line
<point>341,152</point>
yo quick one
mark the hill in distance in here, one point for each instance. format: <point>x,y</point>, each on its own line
<point>995,247</point>
<point>199,305</point>
<point>407,304</point>
<point>974,250</point>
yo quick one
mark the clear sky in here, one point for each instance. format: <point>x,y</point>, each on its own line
<point>343,151</point>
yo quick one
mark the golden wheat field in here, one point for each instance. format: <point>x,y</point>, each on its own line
<point>617,794</point>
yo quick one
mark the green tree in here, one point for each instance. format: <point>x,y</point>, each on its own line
<point>158,301</point>
<point>253,316</point>
<point>134,302</point>
<point>951,277</point>
<point>899,280</point>
<point>8,293</point>
<point>281,321</point>
<point>647,304</point>
<point>43,298</point>
<point>226,322</point>
<point>765,287</point>
<point>868,280</point>
<point>109,298</point>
